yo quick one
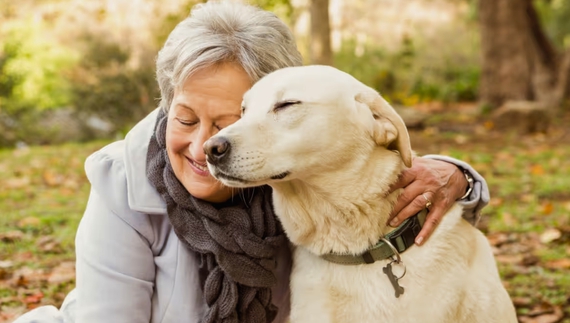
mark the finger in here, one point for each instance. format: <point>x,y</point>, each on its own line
<point>432,221</point>
<point>405,178</point>
<point>407,197</point>
<point>416,205</point>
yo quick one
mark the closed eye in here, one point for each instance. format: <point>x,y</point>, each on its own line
<point>186,122</point>
<point>284,104</point>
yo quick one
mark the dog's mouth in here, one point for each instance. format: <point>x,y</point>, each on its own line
<point>230,180</point>
<point>280,176</point>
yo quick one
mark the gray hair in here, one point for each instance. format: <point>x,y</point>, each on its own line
<point>218,32</point>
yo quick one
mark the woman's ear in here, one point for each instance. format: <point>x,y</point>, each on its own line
<point>389,128</point>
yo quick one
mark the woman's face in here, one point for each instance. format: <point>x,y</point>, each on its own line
<point>208,101</point>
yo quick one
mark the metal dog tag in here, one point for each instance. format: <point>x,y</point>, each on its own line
<point>393,279</point>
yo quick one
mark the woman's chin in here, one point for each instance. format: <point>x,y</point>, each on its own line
<point>214,192</point>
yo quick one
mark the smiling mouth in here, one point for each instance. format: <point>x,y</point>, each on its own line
<point>202,167</point>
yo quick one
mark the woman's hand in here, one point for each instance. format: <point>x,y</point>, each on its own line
<point>428,183</point>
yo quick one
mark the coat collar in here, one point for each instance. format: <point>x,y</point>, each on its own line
<point>141,194</point>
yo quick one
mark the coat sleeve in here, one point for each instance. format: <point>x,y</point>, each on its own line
<point>115,266</point>
<point>479,197</point>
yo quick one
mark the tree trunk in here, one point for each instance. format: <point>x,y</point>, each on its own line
<point>320,42</point>
<point>505,72</point>
<point>518,60</point>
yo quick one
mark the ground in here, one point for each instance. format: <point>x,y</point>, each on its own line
<point>43,192</point>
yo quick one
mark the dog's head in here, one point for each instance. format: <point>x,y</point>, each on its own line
<point>301,121</point>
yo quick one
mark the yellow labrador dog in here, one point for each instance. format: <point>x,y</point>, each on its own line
<point>330,147</point>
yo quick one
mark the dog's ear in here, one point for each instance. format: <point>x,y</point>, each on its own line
<point>389,128</point>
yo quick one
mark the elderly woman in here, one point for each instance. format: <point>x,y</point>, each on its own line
<point>161,240</point>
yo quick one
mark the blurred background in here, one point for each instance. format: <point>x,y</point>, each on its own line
<point>486,81</point>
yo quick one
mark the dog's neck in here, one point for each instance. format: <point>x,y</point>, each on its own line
<point>343,211</point>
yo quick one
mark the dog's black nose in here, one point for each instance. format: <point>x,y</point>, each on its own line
<point>216,149</point>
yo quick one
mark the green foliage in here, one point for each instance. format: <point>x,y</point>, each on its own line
<point>554,16</point>
<point>171,20</point>
<point>282,8</point>
<point>408,75</point>
<point>32,80</point>
<point>107,86</point>
<point>33,69</point>
<point>457,83</point>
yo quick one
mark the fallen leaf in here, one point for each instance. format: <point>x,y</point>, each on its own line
<point>563,263</point>
<point>528,198</point>
<point>537,169</point>
<point>509,219</point>
<point>11,236</point>
<point>530,260</point>
<point>498,238</point>
<point>542,308</point>
<point>509,259</point>
<point>547,208</point>
<point>63,273</point>
<point>461,139</point>
<point>34,298</point>
<point>543,314</point>
<point>49,244</point>
<point>550,235</point>
<point>430,131</point>
<point>17,183</point>
<point>6,263</point>
<point>496,201</point>
<point>521,301</point>
<point>30,221</point>
<point>52,179</point>
<point>21,281</point>
<point>555,162</point>
<point>23,256</point>
<point>26,276</point>
<point>8,314</point>
<point>489,125</point>
<point>70,183</point>
<point>4,275</point>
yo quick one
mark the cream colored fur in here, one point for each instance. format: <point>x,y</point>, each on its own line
<point>341,146</point>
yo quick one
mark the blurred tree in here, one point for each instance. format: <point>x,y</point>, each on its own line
<point>282,8</point>
<point>167,24</point>
<point>32,79</point>
<point>320,41</point>
<point>519,61</point>
<point>105,85</point>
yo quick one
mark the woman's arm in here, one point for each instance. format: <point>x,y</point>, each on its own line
<point>115,267</point>
<point>442,181</point>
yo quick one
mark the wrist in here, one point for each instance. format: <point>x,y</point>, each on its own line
<point>468,179</point>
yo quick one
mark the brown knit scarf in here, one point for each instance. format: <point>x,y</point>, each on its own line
<point>237,244</point>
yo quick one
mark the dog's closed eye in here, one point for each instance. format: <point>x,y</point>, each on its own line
<point>284,104</point>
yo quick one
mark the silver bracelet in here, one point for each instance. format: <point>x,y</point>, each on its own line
<point>470,183</point>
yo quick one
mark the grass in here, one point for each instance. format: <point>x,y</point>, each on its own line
<point>43,192</point>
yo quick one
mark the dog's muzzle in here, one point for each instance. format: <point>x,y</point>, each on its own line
<point>217,149</point>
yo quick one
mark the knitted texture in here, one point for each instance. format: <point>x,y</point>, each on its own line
<point>237,244</point>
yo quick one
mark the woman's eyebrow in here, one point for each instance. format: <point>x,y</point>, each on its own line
<point>180,104</point>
